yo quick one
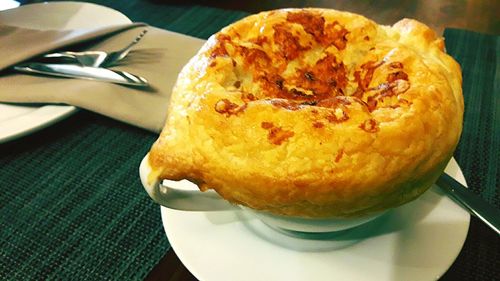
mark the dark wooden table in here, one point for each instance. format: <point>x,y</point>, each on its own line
<point>476,15</point>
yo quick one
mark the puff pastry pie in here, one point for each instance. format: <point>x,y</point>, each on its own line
<point>314,113</point>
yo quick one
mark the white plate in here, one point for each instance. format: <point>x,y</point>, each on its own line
<point>16,120</point>
<point>418,241</point>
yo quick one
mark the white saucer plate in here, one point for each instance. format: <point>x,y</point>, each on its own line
<point>17,120</point>
<point>417,241</point>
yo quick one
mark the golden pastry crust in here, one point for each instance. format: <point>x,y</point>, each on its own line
<point>314,113</point>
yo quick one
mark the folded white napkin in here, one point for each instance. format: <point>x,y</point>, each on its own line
<point>158,57</point>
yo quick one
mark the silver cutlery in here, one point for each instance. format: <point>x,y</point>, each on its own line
<point>84,72</point>
<point>94,58</point>
<point>473,203</point>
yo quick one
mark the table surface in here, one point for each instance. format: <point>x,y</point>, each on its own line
<point>477,15</point>
<point>481,16</point>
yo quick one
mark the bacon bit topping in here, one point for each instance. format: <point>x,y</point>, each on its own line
<point>274,87</point>
<point>340,153</point>
<point>332,71</point>
<point>313,23</point>
<point>337,116</point>
<point>325,79</point>
<point>220,46</point>
<point>367,38</point>
<point>288,44</point>
<point>328,103</point>
<point>335,34</point>
<point>255,58</point>
<point>358,79</point>
<point>224,106</point>
<point>318,125</point>
<point>261,40</point>
<point>396,65</point>
<point>370,126</point>
<point>364,80</point>
<point>267,125</point>
<point>276,135</point>
<point>369,69</point>
<point>371,104</point>
<point>358,93</point>
<point>386,90</point>
<point>247,97</point>
<point>213,64</point>
<point>397,76</point>
<point>237,84</point>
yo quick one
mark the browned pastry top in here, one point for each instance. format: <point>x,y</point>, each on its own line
<point>314,113</point>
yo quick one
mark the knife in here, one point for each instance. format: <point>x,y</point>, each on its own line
<point>473,203</point>
<point>83,72</point>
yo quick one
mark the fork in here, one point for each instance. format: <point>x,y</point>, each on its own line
<point>96,58</point>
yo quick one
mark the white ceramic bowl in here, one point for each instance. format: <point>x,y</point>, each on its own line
<point>295,225</point>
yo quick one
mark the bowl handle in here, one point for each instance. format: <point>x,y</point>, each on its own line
<point>179,198</point>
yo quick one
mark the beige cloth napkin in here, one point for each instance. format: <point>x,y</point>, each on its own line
<point>19,44</point>
<point>158,57</point>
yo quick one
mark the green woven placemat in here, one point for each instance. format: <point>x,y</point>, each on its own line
<point>72,206</point>
<point>478,152</point>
